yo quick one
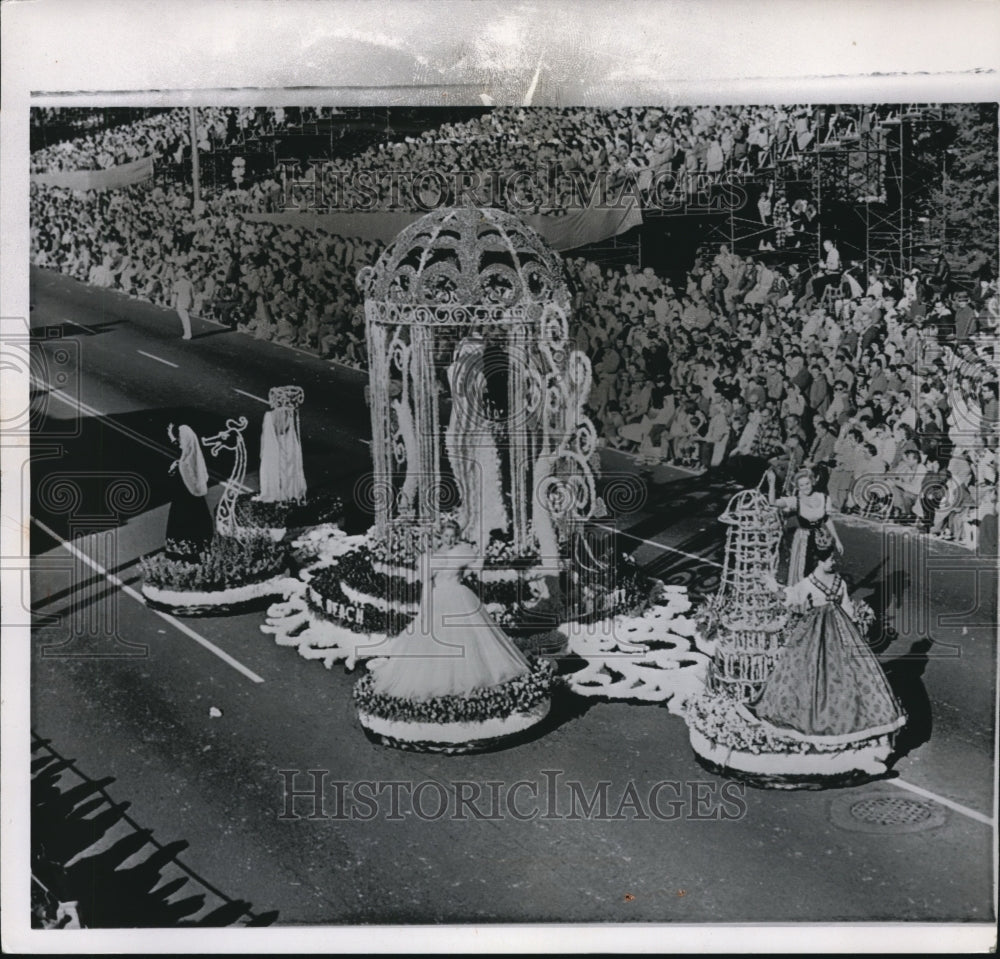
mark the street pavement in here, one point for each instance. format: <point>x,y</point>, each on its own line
<point>204,751</point>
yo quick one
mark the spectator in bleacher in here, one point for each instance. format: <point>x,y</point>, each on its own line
<point>906,484</point>
<point>939,282</point>
<point>966,318</point>
<point>990,414</point>
<point>829,274</point>
<point>847,449</point>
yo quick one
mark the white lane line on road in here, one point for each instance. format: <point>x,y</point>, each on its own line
<point>252,396</point>
<point>950,803</point>
<point>652,542</point>
<point>125,588</point>
<point>79,406</point>
<point>158,359</point>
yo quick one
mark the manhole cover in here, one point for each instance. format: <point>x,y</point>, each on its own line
<point>881,813</point>
<point>891,812</point>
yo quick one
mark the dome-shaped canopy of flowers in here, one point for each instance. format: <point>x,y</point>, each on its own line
<point>468,256</point>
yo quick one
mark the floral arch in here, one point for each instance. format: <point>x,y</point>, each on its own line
<point>476,394</point>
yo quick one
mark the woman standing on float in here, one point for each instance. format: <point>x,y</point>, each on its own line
<point>826,686</point>
<point>471,446</point>
<point>814,526</point>
<point>189,522</point>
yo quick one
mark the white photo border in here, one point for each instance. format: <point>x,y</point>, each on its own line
<point>191,52</point>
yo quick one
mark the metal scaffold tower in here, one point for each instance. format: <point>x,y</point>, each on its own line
<point>858,160</point>
<point>866,165</point>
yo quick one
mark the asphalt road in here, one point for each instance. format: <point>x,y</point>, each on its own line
<point>128,694</point>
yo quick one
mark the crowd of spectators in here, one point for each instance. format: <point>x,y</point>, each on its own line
<point>692,144</point>
<point>887,390</point>
<point>166,136</point>
<point>283,283</point>
<point>50,125</point>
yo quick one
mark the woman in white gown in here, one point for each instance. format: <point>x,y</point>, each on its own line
<point>541,514</point>
<point>411,450</point>
<point>452,647</point>
<point>281,476</point>
<point>471,446</point>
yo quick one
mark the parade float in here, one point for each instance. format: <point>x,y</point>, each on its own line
<point>477,409</point>
<point>228,568</point>
<point>484,581</point>
<point>744,628</point>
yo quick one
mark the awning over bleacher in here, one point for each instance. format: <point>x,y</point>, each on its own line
<point>567,232</point>
<point>117,176</point>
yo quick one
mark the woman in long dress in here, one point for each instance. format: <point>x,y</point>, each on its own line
<point>411,451</point>
<point>471,446</point>
<point>452,647</point>
<point>189,522</point>
<point>814,526</point>
<point>827,684</point>
<point>281,477</point>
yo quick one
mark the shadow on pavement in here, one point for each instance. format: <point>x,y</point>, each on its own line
<point>905,675</point>
<point>67,820</point>
<point>91,473</point>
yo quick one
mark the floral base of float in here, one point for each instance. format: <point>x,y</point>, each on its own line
<point>482,719</point>
<point>334,613</point>
<point>230,575</point>
<point>217,602</point>
<point>649,656</point>
<point>322,629</point>
<point>276,518</point>
<point>728,740</point>
<point>352,597</point>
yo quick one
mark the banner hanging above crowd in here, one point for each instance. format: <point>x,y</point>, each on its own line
<point>138,171</point>
<point>574,229</point>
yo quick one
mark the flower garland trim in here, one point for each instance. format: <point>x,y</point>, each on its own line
<point>514,696</point>
<point>721,721</point>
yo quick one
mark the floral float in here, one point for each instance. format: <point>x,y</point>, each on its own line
<point>744,628</point>
<point>236,569</point>
<point>477,421</point>
<point>476,720</point>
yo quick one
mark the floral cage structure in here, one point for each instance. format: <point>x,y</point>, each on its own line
<point>476,394</point>
<point>477,411</point>
<point>749,619</point>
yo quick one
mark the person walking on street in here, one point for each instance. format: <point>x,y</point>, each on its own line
<point>183,299</point>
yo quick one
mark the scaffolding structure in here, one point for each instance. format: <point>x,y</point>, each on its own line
<point>861,158</point>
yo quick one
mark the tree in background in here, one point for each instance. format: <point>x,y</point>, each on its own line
<point>965,198</point>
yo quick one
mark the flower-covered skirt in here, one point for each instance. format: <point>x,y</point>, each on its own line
<point>451,647</point>
<point>828,684</point>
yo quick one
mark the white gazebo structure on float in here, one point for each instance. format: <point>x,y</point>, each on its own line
<point>477,396</point>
